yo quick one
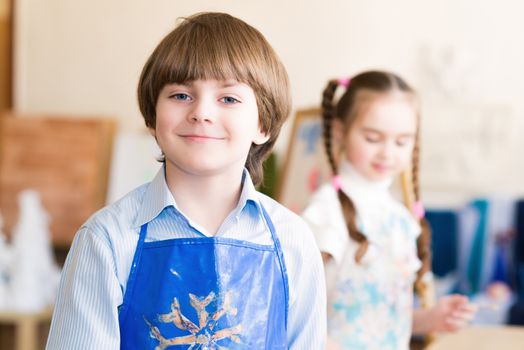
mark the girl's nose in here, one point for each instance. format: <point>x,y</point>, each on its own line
<point>387,149</point>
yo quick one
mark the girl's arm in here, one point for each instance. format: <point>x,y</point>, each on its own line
<point>86,315</point>
<point>451,313</point>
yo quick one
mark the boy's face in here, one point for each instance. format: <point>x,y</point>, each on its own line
<point>207,127</point>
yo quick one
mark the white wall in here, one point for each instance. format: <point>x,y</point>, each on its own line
<point>464,56</point>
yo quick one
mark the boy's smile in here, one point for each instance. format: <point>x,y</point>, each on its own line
<point>207,127</point>
<point>197,134</point>
<point>200,137</point>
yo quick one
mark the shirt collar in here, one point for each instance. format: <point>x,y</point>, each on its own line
<point>158,197</point>
<point>249,194</point>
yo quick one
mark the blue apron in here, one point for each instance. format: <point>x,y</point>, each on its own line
<point>205,293</point>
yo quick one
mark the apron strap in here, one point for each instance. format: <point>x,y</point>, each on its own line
<point>280,256</point>
<point>132,273</point>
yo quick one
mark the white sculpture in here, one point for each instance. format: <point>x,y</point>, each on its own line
<point>34,274</point>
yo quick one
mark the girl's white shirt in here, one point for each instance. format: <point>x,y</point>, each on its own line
<point>387,269</point>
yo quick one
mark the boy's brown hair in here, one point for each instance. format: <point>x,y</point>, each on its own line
<point>219,46</point>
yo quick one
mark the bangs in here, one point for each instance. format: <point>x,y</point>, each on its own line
<point>207,51</point>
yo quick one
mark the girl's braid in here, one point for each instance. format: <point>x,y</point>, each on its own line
<point>424,240</point>
<point>348,208</point>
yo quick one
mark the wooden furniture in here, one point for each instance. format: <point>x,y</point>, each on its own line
<point>481,338</point>
<point>65,159</point>
<point>27,327</point>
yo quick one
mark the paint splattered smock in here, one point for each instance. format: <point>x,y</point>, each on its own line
<point>369,304</point>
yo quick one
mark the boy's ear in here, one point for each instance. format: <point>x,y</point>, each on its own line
<point>260,138</point>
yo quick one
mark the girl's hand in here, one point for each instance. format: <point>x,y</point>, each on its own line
<point>451,313</point>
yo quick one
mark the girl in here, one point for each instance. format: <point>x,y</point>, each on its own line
<point>197,258</point>
<point>368,239</point>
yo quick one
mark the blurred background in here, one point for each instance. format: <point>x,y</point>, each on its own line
<point>70,127</point>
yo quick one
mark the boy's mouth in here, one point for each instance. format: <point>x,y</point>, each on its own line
<point>200,137</point>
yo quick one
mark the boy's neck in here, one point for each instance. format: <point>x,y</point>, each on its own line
<point>206,200</point>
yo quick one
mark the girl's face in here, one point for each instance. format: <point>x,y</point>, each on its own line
<point>380,142</point>
<point>206,127</point>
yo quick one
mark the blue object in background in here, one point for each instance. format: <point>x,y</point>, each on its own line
<point>478,247</point>
<point>516,312</point>
<point>500,269</point>
<point>444,240</point>
<point>519,251</point>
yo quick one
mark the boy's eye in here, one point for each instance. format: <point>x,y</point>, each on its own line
<point>180,97</point>
<point>229,100</point>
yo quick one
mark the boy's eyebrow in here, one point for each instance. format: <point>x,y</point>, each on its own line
<point>179,84</point>
<point>229,83</point>
<point>222,84</point>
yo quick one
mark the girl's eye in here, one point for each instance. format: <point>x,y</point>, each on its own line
<point>403,142</point>
<point>371,139</point>
<point>229,100</point>
<point>180,97</point>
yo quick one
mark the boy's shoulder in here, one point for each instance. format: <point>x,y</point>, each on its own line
<point>272,206</point>
<point>282,216</point>
<point>295,235</point>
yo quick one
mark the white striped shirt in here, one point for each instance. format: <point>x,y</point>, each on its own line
<point>95,273</point>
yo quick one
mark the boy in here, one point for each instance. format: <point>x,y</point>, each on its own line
<point>198,258</point>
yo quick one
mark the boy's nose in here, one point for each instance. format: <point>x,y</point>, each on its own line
<point>201,113</point>
<point>199,118</point>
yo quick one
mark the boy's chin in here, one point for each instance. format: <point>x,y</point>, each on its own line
<point>204,169</point>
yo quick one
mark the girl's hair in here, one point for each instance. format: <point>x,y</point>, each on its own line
<point>218,46</point>
<point>346,110</point>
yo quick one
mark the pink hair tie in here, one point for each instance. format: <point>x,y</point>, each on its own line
<point>418,210</point>
<point>344,82</point>
<point>337,182</point>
